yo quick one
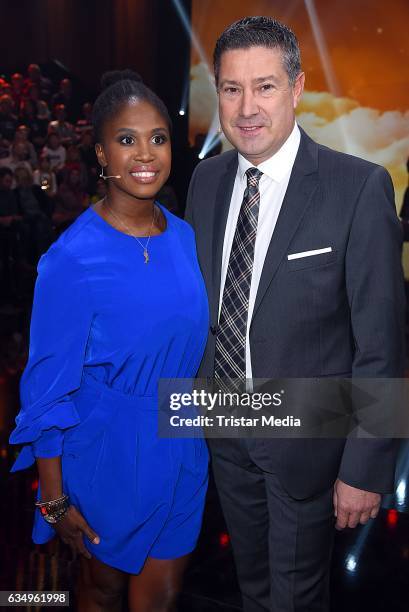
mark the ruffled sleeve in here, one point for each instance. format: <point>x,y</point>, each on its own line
<point>60,325</point>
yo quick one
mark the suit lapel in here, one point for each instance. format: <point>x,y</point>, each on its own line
<point>222,204</point>
<point>302,184</point>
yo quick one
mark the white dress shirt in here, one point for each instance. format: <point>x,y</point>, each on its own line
<point>273,185</point>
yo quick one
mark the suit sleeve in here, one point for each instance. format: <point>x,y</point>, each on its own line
<point>60,325</point>
<point>375,288</point>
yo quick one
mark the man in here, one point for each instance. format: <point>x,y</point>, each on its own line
<point>300,249</point>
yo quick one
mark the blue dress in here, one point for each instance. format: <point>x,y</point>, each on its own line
<point>105,328</point>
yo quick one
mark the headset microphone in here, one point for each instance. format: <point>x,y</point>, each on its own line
<point>108,177</point>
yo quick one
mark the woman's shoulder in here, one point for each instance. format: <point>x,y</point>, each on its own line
<point>74,241</point>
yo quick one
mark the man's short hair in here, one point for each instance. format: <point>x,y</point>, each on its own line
<point>260,32</point>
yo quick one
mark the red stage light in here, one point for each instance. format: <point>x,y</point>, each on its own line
<point>392,517</point>
<point>224,540</point>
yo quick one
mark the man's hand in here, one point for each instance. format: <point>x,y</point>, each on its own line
<point>353,506</point>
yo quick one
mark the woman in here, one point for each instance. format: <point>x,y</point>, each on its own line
<point>119,303</point>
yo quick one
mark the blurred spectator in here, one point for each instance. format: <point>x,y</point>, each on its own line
<point>73,160</point>
<point>43,112</point>
<point>9,210</point>
<point>10,219</point>
<point>44,176</point>
<point>85,123</point>
<point>89,158</point>
<point>22,135</point>
<point>60,126</point>
<point>17,88</point>
<point>5,151</point>
<point>36,210</point>
<point>40,106</point>
<point>38,127</point>
<point>35,77</point>
<point>66,96</point>
<point>8,120</point>
<point>100,191</point>
<point>71,198</point>
<point>4,86</point>
<point>19,156</point>
<point>55,151</point>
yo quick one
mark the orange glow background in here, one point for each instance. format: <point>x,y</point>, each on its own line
<point>367,42</point>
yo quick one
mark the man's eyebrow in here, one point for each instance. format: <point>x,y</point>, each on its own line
<point>270,77</point>
<point>229,82</point>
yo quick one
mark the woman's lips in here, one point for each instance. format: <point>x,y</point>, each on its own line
<point>144,177</point>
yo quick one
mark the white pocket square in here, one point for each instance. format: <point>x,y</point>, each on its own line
<point>309,253</point>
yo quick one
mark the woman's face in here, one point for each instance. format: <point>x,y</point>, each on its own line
<point>136,146</point>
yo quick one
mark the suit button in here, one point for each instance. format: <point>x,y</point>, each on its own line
<point>213,329</point>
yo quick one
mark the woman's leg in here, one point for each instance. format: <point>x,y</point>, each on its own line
<point>100,587</point>
<point>156,588</point>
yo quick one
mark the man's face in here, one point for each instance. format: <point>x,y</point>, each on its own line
<point>256,102</point>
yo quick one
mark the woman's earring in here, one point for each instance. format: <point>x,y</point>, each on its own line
<point>219,130</point>
<point>102,173</point>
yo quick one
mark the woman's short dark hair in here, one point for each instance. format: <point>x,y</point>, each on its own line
<point>118,88</point>
<point>260,32</point>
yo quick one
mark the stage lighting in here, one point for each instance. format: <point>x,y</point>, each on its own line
<point>392,517</point>
<point>351,563</point>
<point>401,492</point>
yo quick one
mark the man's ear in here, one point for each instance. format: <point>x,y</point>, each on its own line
<point>298,88</point>
<point>99,150</point>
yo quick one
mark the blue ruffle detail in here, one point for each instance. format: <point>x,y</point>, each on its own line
<point>30,426</point>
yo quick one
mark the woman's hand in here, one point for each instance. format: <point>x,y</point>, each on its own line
<point>71,529</point>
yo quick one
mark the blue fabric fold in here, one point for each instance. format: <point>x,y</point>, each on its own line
<point>43,432</point>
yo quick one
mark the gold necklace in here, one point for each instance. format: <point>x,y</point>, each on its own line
<point>129,231</point>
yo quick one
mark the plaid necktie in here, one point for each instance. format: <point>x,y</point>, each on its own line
<point>230,357</point>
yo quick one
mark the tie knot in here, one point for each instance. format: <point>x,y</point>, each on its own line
<point>253,177</point>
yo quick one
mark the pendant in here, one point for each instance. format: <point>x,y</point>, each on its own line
<point>146,255</point>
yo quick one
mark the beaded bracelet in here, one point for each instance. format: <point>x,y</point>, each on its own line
<point>52,511</point>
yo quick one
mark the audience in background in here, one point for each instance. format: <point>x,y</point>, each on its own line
<point>73,160</point>
<point>22,136</point>
<point>44,176</point>
<point>38,125</point>
<point>19,157</point>
<point>36,210</point>
<point>71,199</point>
<point>84,123</point>
<point>55,151</point>
<point>61,126</point>
<point>35,77</point>
<point>68,99</point>
<point>8,119</point>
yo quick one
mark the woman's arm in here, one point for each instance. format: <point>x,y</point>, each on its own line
<point>72,526</point>
<point>49,471</point>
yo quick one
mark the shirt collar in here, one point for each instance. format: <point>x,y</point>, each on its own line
<point>278,165</point>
